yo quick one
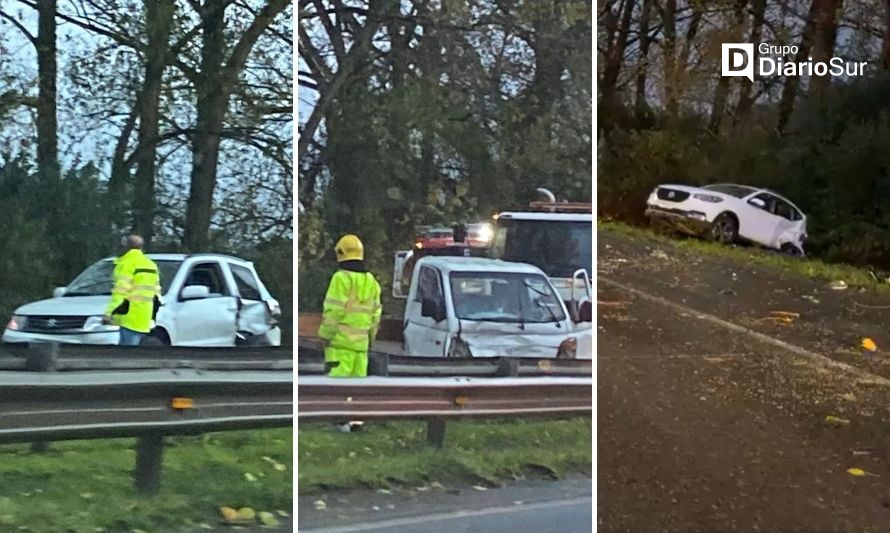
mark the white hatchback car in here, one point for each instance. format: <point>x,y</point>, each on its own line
<point>727,213</point>
<point>207,300</point>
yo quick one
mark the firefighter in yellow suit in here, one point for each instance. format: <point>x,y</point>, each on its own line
<point>351,312</point>
<point>134,297</point>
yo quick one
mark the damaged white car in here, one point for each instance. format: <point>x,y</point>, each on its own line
<point>475,307</point>
<point>728,213</point>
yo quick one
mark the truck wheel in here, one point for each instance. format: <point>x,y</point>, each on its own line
<point>724,229</point>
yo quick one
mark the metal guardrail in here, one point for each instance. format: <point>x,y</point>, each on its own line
<point>70,357</point>
<point>310,361</point>
<point>436,399</point>
<point>103,393</point>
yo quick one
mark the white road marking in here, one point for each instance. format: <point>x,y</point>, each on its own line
<point>440,517</point>
<point>766,339</point>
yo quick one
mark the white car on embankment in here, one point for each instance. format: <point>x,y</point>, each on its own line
<point>208,300</point>
<point>727,213</point>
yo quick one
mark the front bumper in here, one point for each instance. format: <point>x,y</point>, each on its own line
<point>86,337</point>
<point>693,222</point>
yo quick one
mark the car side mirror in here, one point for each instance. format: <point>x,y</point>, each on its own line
<point>58,292</point>
<point>429,309</point>
<point>195,292</point>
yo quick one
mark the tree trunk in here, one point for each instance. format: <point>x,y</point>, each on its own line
<point>669,20</point>
<point>47,122</point>
<point>746,94</point>
<point>159,19</point>
<point>824,36</point>
<point>885,46</point>
<point>615,61</point>
<point>205,141</point>
<point>721,94</point>
<point>214,88</point>
<point>792,83</point>
<point>640,104</point>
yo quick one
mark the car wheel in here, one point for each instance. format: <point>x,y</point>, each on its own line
<point>724,229</point>
<point>791,249</point>
<point>153,340</point>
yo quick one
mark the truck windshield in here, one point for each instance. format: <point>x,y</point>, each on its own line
<point>504,297</point>
<point>97,279</point>
<point>559,248</point>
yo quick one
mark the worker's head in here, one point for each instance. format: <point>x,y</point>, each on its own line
<point>132,242</point>
<point>350,248</point>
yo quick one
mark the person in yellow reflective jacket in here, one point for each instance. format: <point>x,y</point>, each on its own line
<point>351,312</point>
<point>134,296</point>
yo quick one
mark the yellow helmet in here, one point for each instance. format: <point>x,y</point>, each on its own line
<point>350,248</point>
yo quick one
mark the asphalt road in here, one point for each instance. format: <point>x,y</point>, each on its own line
<point>711,419</point>
<point>522,507</point>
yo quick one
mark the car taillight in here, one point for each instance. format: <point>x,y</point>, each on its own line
<point>568,349</point>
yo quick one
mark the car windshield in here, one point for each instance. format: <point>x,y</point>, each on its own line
<point>559,248</point>
<point>739,191</point>
<point>504,297</point>
<point>97,279</point>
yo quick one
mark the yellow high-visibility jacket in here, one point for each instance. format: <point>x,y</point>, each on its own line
<point>352,311</point>
<point>136,283</point>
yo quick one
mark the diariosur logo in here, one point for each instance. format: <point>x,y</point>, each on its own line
<point>738,60</point>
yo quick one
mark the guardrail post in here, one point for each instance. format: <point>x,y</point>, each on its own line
<point>378,364</point>
<point>435,432</point>
<point>147,474</point>
<point>41,358</point>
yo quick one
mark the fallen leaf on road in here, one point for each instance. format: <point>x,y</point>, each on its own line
<point>788,314</point>
<point>659,254</point>
<point>436,485</point>
<point>869,345</point>
<point>860,452</point>
<point>283,514</point>
<point>836,421</point>
<point>839,285</point>
<point>376,508</point>
<point>479,487</point>
<point>384,491</point>
<point>811,298</point>
<point>320,505</point>
<point>860,472</point>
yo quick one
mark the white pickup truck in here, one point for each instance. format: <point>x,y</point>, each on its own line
<point>207,300</point>
<point>477,307</point>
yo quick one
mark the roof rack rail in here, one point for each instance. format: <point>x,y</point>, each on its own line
<point>564,207</point>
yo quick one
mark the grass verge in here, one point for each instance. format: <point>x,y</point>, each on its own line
<point>86,486</point>
<point>807,267</point>
<point>485,452</point>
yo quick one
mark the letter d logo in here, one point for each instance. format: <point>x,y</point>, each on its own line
<point>738,60</point>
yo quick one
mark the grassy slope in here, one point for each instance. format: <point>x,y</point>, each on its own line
<point>477,452</point>
<point>809,267</point>
<point>86,486</point>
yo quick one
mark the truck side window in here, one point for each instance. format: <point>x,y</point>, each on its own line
<point>428,286</point>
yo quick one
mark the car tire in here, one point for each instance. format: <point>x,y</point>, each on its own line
<point>724,229</point>
<point>153,340</point>
<point>791,249</point>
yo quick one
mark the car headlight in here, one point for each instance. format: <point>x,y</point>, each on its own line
<point>94,322</point>
<point>17,323</point>
<point>711,199</point>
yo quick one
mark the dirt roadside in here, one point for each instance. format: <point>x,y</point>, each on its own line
<point>705,429</point>
<point>830,322</point>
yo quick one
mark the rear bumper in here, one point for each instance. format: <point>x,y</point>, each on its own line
<point>688,221</point>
